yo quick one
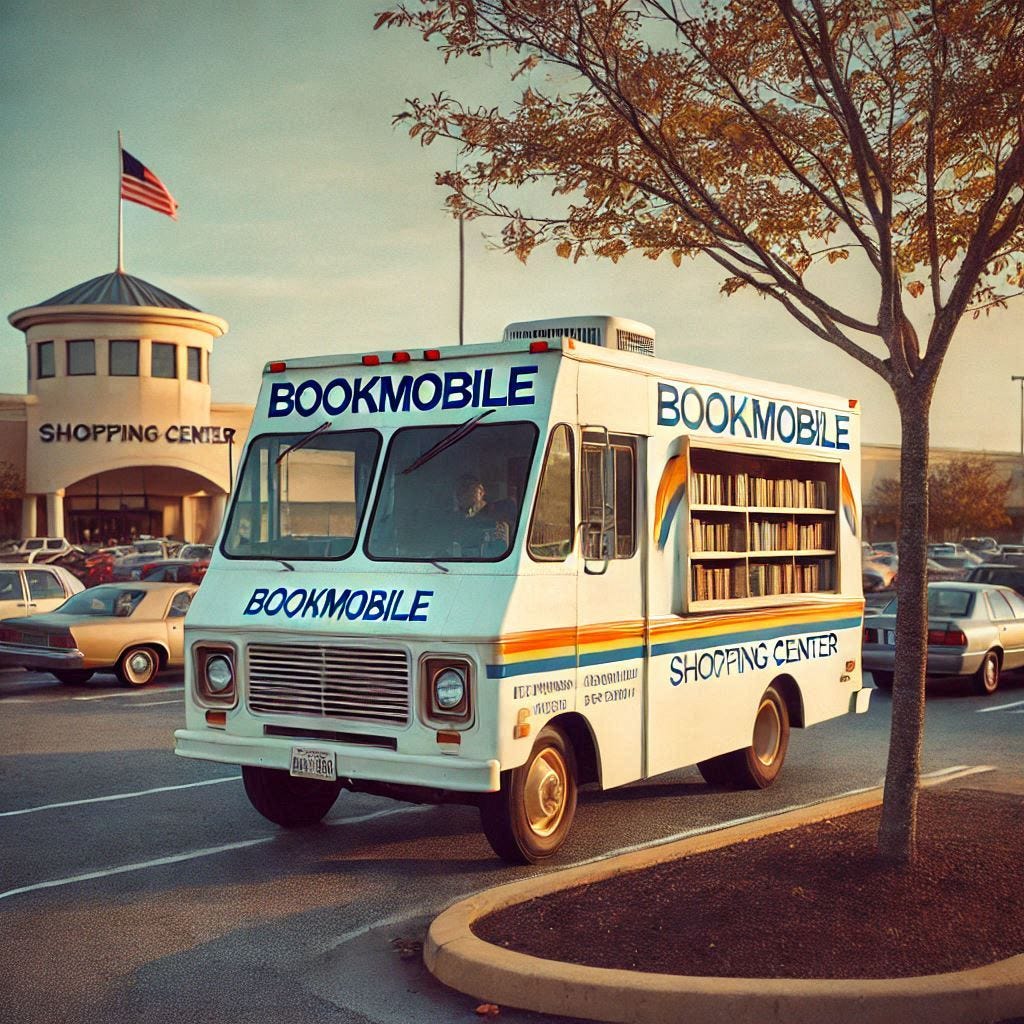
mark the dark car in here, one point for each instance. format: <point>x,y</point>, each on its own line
<point>176,570</point>
<point>1011,576</point>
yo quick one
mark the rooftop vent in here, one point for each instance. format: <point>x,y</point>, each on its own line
<point>603,331</point>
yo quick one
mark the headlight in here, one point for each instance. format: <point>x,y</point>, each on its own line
<point>449,688</point>
<point>219,674</point>
<point>214,680</point>
<point>446,690</point>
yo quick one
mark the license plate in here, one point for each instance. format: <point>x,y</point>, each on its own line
<point>889,637</point>
<point>313,764</point>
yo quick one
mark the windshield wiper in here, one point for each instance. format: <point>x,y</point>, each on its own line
<point>303,441</point>
<point>438,565</point>
<point>447,441</point>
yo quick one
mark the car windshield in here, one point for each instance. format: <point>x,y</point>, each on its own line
<point>463,503</point>
<point>302,495</point>
<point>942,602</point>
<point>118,601</point>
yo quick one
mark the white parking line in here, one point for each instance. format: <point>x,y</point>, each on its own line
<point>131,693</point>
<point>153,703</point>
<point>118,796</point>
<point>1002,707</point>
<point>177,858</point>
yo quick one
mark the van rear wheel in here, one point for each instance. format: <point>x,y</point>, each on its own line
<point>529,818</point>
<point>756,766</point>
<point>285,800</point>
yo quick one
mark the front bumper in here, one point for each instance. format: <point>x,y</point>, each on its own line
<point>448,772</point>
<point>46,658</point>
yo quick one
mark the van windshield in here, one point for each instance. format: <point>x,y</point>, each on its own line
<point>462,503</point>
<point>302,495</point>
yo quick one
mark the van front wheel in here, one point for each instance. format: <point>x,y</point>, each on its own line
<point>287,801</point>
<point>529,818</point>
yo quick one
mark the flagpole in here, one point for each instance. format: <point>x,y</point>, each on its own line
<point>120,208</point>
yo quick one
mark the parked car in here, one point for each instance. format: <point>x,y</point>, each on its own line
<point>1001,575</point>
<point>176,570</point>
<point>28,589</point>
<point>986,546</point>
<point>134,629</point>
<point>974,629</point>
<point>888,546</point>
<point>1012,554</point>
<point>39,549</point>
<point>195,551</point>
<point>876,574</point>
<point>130,567</point>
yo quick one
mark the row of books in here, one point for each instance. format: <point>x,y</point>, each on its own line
<point>745,489</point>
<point>719,582</point>
<point>790,578</point>
<point>769,535</point>
<point>715,536</point>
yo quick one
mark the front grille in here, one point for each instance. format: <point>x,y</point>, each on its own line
<point>357,684</point>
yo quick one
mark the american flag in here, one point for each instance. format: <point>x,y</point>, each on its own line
<point>140,185</point>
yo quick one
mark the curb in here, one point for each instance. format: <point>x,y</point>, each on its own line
<point>460,960</point>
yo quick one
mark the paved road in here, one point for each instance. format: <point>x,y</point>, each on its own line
<point>135,885</point>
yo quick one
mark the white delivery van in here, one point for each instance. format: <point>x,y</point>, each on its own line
<point>494,573</point>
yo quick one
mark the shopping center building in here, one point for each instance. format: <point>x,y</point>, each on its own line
<point>117,436</point>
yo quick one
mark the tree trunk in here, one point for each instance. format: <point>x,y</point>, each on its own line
<point>897,836</point>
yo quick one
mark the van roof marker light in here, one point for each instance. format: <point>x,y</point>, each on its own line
<point>432,354</point>
<point>276,367</point>
<point>854,402</point>
<point>400,357</point>
<point>371,360</point>
<point>539,346</point>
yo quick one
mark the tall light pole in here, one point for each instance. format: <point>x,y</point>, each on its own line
<point>1021,379</point>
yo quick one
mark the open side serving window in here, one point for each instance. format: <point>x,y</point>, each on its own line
<point>759,527</point>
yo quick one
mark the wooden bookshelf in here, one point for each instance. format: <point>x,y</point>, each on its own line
<point>759,527</point>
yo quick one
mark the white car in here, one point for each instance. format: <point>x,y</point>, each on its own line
<point>36,549</point>
<point>27,589</point>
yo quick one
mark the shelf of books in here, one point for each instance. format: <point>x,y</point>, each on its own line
<point>760,527</point>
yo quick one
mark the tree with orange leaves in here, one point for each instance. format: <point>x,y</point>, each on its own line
<point>770,136</point>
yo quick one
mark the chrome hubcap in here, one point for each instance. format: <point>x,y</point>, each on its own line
<point>545,792</point>
<point>767,732</point>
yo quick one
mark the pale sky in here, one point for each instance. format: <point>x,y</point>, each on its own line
<point>311,225</point>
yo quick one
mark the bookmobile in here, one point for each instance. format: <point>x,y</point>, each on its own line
<point>492,574</point>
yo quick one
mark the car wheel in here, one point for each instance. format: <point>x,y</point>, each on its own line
<point>883,680</point>
<point>986,679</point>
<point>74,676</point>
<point>288,801</point>
<point>529,818</point>
<point>138,666</point>
<point>756,766</point>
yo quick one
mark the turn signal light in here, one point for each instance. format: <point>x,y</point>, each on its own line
<point>946,638</point>
<point>62,640</point>
<point>522,726</point>
<point>217,718</point>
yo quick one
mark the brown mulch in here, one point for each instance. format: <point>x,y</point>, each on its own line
<point>811,902</point>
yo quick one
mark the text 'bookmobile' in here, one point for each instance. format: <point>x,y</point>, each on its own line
<point>493,573</point>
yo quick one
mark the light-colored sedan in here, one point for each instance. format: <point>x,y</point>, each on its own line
<point>135,629</point>
<point>974,629</point>
<point>27,589</point>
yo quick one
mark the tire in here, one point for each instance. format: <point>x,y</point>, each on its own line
<point>756,766</point>
<point>529,818</point>
<point>883,680</point>
<point>138,666</point>
<point>287,801</point>
<point>986,679</point>
<point>74,676</point>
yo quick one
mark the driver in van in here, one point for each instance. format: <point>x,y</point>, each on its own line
<point>473,507</point>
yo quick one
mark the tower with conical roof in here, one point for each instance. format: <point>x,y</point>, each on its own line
<point>121,436</point>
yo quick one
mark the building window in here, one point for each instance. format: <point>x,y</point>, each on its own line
<point>195,363</point>
<point>164,362</point>
<point>124,359</point>
<point>82,358</point>
<point>44,366</point>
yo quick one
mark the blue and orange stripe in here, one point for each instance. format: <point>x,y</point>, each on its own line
<point>539,651</point>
